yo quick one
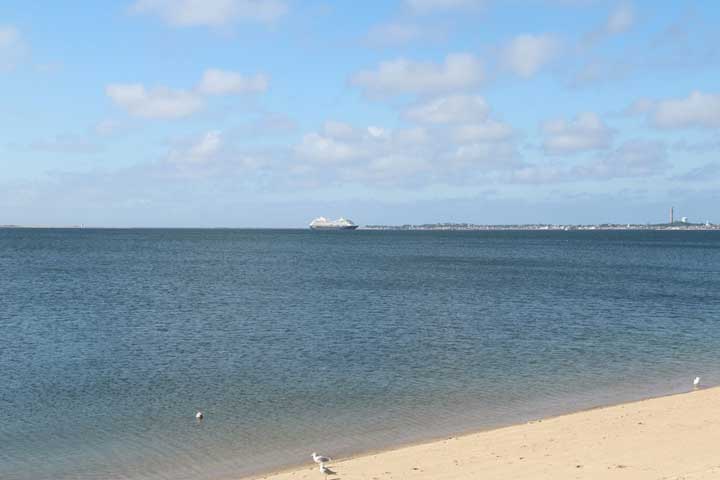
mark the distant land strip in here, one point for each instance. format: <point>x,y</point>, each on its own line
<point>543,226</point>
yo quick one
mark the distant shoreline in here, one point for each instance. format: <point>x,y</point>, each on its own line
<point>545,227</point>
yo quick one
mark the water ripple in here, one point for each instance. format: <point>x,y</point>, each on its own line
<point>295,341</point>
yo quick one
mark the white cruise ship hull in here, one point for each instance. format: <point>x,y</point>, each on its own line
<point>328,227</point>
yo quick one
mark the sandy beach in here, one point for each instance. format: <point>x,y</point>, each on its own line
<point>673,437</point>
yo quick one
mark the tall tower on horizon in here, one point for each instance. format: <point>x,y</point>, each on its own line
<point>672,212</point>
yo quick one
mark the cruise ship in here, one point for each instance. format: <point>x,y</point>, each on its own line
<point>322,223</point>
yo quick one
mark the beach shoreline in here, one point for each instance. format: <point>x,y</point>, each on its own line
<point>594,437</point>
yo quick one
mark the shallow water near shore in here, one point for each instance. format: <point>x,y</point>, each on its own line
<point>294,341</point>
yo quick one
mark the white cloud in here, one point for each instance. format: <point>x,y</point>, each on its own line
<point>473,138</point>
<point>456,141</point>
<point>210,156</point>
<point>634,158</point>
<point>377,132</point>
<point>486,156</point>
<point>428,6</point>
<point>621,19</point>
<point>12,47</point>
<point>393,34</point>
<point>395,165</point>
<point>488,131</point>
<point>222,82</point>
<point>412,136</point>
<point>417,155</point>
<point>160,102</point>
<point>337,129</point>
<point>459,71</point>
<point>526,54</point>
<point>322,148</point>
<point>164,102</point>
<point>586,132</point>
<point>538,174</point>
<point>212,13</point>
<point>206,147</point>
<point>697,110</point>
<point>450,109</point>
<point>340,142</point>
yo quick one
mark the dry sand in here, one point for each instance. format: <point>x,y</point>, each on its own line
<point>675,437</point>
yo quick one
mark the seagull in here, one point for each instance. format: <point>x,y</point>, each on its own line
<point>696,382</point>
<point>199,415</point>
<point>320,459</point>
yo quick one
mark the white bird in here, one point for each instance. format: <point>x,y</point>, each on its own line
<point>320,459</point>
<point>199,415</point>
<point>696,382</point>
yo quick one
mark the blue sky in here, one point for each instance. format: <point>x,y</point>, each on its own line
<point>267,113</point>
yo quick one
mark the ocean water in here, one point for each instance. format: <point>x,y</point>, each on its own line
<point>295,341</point>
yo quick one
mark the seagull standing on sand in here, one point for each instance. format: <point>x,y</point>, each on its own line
<point>319,459</point>
<point>696,382</point>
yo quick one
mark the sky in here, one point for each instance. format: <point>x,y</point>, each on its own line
<point>268,113</point>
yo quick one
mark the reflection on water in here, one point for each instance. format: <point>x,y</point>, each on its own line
<point>294,341</point>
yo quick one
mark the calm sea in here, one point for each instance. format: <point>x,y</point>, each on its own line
<point>337,342</point>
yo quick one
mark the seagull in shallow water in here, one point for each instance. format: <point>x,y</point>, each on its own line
<point>696,382</point>
<point>320,459</point>
<point>199,415</point>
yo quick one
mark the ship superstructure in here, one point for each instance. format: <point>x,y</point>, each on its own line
<point>322,223</point>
